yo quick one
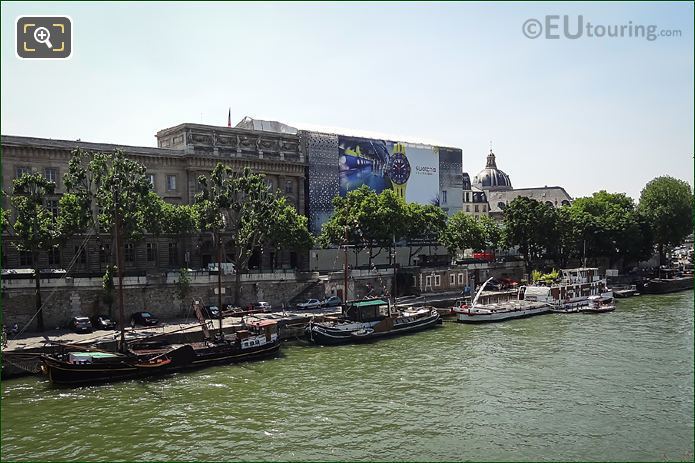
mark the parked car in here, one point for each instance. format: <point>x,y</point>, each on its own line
<point>211,311</point>
<point>143,319</point>
<point>80,325</point>
<point>262,306</point>
<point>310,304</point>
<point>333,301</point>
<point>103,322</point>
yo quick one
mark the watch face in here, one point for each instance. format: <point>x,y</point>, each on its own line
<point>400,169</point>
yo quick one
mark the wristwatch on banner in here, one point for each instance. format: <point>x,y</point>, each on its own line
<point>399,169</point>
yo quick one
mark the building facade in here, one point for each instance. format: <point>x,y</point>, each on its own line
<point>491,191</point>
<point>185,152</point>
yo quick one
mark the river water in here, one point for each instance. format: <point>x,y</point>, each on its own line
<point>615,386</point>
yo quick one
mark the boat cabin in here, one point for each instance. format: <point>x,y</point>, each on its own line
<point>580,275</point>
<point>366,311</point>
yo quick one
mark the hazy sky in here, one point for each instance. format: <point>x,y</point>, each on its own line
<point>587,114</point>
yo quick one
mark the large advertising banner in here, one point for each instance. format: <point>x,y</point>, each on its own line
<point>423,184</point>
<point>410,170</point>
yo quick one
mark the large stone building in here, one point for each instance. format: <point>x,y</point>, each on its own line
<point>491,191</point>
<point>185,152</point>
<point>310,168</point>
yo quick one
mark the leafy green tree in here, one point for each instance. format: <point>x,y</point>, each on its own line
<point>105,190</point>
<point>183,285</point>
<point>35,227</point>
<point>463,232</point>
<point>365,219</point>
<point>289,229</point>
<point>240,205</point>
<point>667,204</point>
<point>610,226</point>
<point>530,225</point>
<point>492,232</point>
<point>424,226</point>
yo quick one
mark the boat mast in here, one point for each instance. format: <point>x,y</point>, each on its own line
<point>480,291</point>
<point>119,265</point>
<point>219,278</point>
<point>345,265</point>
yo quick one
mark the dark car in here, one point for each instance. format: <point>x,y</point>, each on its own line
<point>211,311</point>
<point>80,325</point>
<point>143,319</point>
<point>333,301</point>
<point>102,322</point>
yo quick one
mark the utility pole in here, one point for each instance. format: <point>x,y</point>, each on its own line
<point>345,266</point>
<point>219,278</point>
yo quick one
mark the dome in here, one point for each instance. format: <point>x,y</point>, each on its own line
<point>491,178</point>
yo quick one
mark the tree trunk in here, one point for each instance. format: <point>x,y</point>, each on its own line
<point>661,253</point>
<point>237,286</point>
<point>37,278</point>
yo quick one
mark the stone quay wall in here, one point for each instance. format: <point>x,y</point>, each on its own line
<point>65,298</point>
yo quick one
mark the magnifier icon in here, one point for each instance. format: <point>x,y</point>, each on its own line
<point>42,35</point>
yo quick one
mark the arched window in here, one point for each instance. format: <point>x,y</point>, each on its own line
<point>501,205</point>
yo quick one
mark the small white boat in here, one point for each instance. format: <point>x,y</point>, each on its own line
<point>597,304</point>
<point>482,313</point>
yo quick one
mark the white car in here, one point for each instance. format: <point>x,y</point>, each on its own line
<point>310,304</point>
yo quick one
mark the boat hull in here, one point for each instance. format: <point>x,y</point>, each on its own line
<point>664,286</point>
<point>62,373</point>
<point>473,317</point>
<point>330,336</point>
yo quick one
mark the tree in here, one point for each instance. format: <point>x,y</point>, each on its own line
<point>667,204</point>
<point>240,205</point>
<point>366,219</point>
<point>530,225</point>
<point>288,230</point>
<point>35,227</point>
<point>492,233</point>
<point>463,232</point>
<point>424,225</point>
<point>105,191</point>
<point>183,285</point>
<point>609,226</point>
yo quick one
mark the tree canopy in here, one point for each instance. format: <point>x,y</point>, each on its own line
<point>667,204</point>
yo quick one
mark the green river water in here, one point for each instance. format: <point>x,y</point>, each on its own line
<point>615,386</point>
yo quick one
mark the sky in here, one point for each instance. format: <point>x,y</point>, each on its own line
<point>587,114</point>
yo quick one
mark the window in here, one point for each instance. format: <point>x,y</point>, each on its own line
<point>468,208</point>
<point>437,280</point>
<point>80,256</point>
<point>54,256</point>
<point>289,186</point>
<point>460,278</point>
<point>443,196</point>
<point>476,208</point>
<point>484,207</point>
<point>21,170</point>
<point>151,178</point>
<point>26,258</point>
<point>173,253</point>
<point>52,205</point>
<point>129,253</point>
<point>51,174</point>
<point>171,182</point>
<point>104,252</point>
<point>428,281</point>
<point>151,252</point>
<point>452,279</point>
